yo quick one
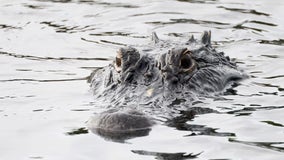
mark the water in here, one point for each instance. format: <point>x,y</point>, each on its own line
<point>49,48</point>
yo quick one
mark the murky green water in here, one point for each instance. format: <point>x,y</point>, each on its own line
<point>49,48</point>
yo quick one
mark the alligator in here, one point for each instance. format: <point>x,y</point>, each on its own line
<point>161,79</point>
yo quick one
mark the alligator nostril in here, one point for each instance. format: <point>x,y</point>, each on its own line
<point>174,80</point>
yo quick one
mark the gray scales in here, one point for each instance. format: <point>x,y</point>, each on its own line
<point>162,79</point>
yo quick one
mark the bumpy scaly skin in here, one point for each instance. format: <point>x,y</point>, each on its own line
<point>159,73</point>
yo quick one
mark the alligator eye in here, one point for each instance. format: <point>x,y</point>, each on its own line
<point>118,61</point>
<point>186,62</point>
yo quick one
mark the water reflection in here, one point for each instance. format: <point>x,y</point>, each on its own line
<point>167,156</point>
<point>93,2</point>
<point>154,13</point>
<point>111,34</point>
<point>273,123</point>
<point>200,1</point>
<point>33,6</point>
<point>45,80</point>
<point>4,26</point>
<point>241,10</point>
<point>36,157</point>
<point>249,110</point>
<point>181,123</point>
<point>215,24</point>
<point>191,21</point>
<point>60,1</point>
<point>105,42</point>
<point>279,42</point>
<point>270,85</point>
<point>124,34</point>
<point>78,131</point>
<point>198,130</point>
<point>266,145</point>
<point>120,136</point>
<point>30,57</point>
<point>60,28</point>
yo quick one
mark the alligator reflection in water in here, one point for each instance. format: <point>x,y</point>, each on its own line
<point>180,123</point>
<point>167,76</point>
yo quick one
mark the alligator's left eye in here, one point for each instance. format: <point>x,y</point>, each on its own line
<point>187,64</point>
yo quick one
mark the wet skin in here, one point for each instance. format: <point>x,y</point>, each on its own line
<point>157,74</point>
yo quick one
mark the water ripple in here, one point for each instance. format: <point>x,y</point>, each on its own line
<point>101,42</point>
<point>217,25</point>
<point>78,131</point>
<point>33,6</point>
<point>273,77</point>
<point>252,109</point>
<point>269,85</point>
<point>249,11</point>
<point>279,42</point>
<point>68,29</point>
<point>52,58</point>
<point>199,1</point>
<point>124,34</point>
<point>273,123</point>
<point>262,23</point>
<point>184,20</point>
<point>167,156</point>
<point>154,13</point>
<point>44,80</point>
<point>268,56</point>
<point>92,2</point>
<point>4,26</point>
<point>266,145</point>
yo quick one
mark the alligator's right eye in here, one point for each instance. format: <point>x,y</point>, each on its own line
<point>118,61</point>
<point>187,64</point>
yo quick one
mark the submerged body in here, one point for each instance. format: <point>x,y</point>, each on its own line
<point>151,79</point>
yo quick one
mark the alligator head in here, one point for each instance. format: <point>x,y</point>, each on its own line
<point>155,75</point>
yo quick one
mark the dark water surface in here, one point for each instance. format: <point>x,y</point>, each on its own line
<point>48,48</point>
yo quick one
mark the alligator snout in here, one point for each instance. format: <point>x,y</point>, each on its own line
<point>120,125</point>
